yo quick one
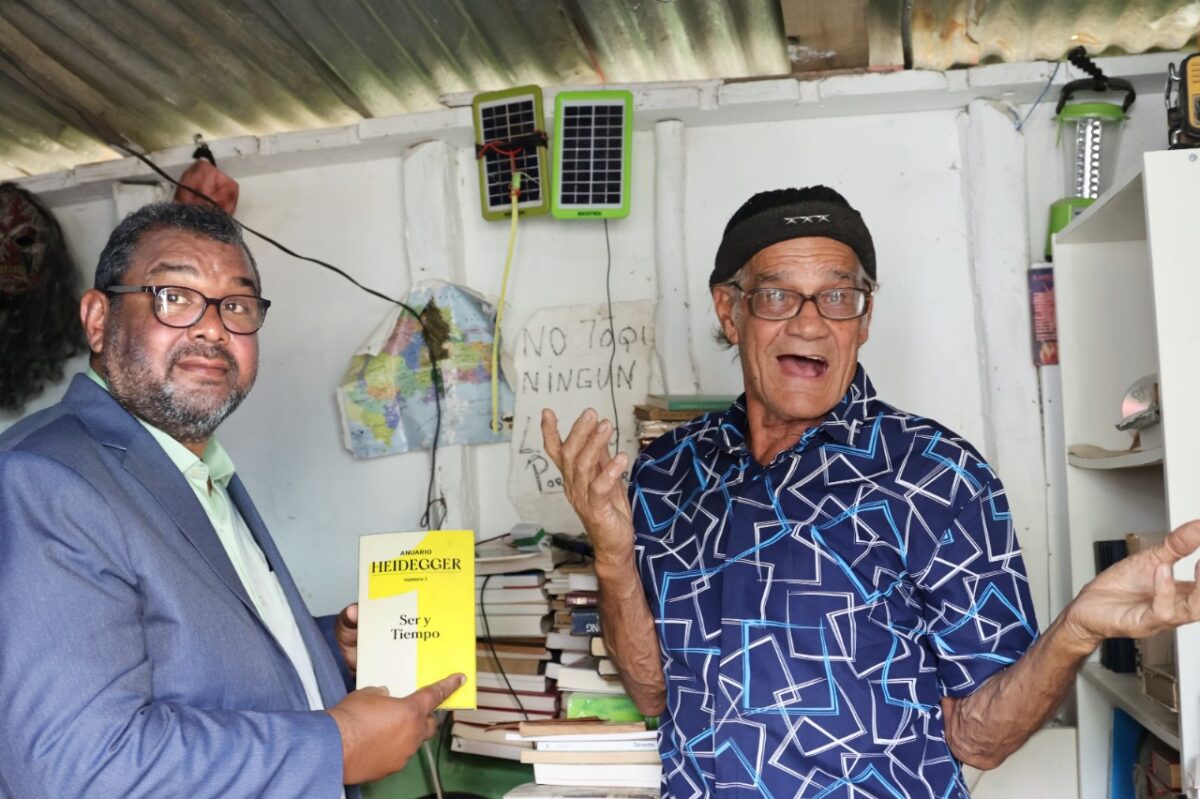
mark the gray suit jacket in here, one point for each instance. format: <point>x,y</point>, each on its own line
<point>132,662</point>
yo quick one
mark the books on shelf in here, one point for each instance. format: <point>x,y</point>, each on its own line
<point>503,699</point>
<point>567,642</point>
<point>662,413</point>
<point>606,706</point>
<point>520,653</point>
<point>582,727</point>
<point>513,650</point>
<point>587,756</point>
<point>533,579</point>
<point>582,599</point>
<point>490,626</point>
<point>510,596</point>
<point>585,621</point>
<point>583,580</point>
<point>690,402</point>
<point>615,743</point>
<point>567,658</point>
<point>536,683</point>
<point>487,748</point>
<point>415,609</point>
<point>531,790</point>
<point>485,662</point>
<point>486,716</point>
<point>515,608</point>
<point>583,677</point>
<point>487,734</point>
<point>589,752</point>
<point>506,559</point>
<point>598,648</point>
<point>607,775</point>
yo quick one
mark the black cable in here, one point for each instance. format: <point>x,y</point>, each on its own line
<point>487,634</point>
<point>1078,56</point>
<point>437,750</point>
<point>612,332</point>
<point>430,518</point>
<point>435,374</point>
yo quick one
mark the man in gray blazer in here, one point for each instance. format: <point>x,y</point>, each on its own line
<point>152,641</point>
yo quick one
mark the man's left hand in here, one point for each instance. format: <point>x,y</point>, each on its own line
<point>345,630</point>
<point>1139,596</point>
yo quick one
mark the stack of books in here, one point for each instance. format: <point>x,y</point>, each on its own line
<point>512,617</point>
<point>574,594</point>
<point>531,790</point>
<point>662,413</point>
<point>590,753</point>
<point>539,655</point>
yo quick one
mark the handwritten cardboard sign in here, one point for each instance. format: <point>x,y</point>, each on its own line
<point>564,359</point>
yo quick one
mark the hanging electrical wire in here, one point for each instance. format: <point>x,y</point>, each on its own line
<point>514,196</point>
<point>612,334</point>
<point>435,507</point>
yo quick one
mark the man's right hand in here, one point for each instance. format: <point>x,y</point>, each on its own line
<point>380,733</point>
<point>592,482</point>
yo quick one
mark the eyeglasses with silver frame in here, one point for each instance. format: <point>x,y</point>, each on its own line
<point>177,306</point>
<point>777,304</point>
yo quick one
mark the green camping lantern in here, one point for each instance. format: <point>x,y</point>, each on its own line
<point>1088,132</point>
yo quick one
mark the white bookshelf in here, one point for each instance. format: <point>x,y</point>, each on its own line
<point>1127,286</point>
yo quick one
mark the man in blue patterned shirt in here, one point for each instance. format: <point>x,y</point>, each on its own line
<point>839,598</point>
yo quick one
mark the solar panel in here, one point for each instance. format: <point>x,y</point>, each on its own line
<point>592,135</point>
<point>509,134</point>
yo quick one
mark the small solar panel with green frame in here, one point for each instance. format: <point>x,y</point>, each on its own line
<point>593,131</point>
<point>500,117</point>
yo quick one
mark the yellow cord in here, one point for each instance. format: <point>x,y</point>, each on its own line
<point>512,242</point>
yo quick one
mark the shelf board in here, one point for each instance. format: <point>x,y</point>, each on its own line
<point>1086,456</point>
<point>1117,215</point>
<point>1125,692</point>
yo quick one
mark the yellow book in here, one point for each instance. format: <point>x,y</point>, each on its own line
<point>416,611</point>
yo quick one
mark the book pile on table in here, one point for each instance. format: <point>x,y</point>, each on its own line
<point>539,655</point>
<point>662,413</point>
<point>512,618</point>
<point>590,753</point>
<point>582,665</point>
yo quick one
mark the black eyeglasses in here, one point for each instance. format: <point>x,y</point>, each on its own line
<point>776,304</point>
<point>176,306</point>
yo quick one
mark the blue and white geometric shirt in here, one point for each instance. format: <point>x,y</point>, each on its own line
<point>813,612</point>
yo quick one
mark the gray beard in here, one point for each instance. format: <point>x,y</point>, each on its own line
<point>132,381</point>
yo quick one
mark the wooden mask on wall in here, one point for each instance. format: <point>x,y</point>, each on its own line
<point>39,299</point>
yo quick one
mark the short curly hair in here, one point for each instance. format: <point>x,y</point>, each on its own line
<point>202,220</point>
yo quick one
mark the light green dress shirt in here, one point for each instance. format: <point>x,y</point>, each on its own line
<point>209,477</point>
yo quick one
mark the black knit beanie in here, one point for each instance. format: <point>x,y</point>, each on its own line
<point>770,217</point>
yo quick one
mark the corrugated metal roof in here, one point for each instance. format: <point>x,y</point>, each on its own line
<point>948,33</point>
<point>156,72</point>
<point>153,73</point>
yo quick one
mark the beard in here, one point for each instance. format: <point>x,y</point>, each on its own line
<point>187,417</point>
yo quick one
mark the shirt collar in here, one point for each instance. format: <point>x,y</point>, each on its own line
<point>214,465</point>
<point>842,424</point>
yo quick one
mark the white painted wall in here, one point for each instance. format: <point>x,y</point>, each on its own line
<point>346,201</point>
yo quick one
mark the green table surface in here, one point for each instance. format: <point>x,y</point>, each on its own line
<point>486,776</point>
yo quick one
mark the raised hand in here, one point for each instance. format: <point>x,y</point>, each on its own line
<point>1139,596</point>
<point>592,481</point>
<point>380,733</point>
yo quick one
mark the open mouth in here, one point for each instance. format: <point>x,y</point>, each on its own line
<point>810,366</point>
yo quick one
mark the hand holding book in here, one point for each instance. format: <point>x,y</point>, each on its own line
<point>345,630</point>
<point>380,733</point>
